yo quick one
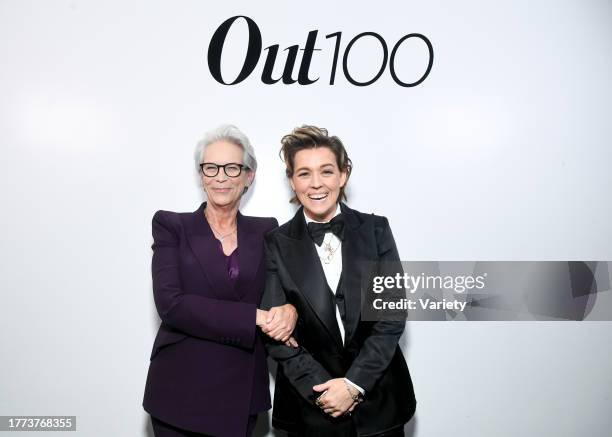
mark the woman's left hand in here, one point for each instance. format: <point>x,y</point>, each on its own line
<point>336,399</point>
<point>281,322</point>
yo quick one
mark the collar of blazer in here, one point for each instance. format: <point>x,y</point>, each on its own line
<point>205,247</point>
<point>301,259</point>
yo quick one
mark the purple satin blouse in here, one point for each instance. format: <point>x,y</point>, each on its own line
<point>231,261</point>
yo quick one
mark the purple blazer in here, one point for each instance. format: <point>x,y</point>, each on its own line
<point>208,366</point>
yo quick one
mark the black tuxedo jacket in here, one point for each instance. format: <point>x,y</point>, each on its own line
<point>370,356</point>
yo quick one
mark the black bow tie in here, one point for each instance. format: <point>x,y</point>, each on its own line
<point>317,231</point>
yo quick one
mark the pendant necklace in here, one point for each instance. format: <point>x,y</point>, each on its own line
<point>220,236</point>
<point>329,250</point>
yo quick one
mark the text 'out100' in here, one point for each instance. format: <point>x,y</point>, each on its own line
<point>253,53</point>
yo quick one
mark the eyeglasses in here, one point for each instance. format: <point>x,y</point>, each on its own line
<point>231,169</point>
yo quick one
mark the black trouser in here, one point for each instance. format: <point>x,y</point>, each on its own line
<point>347,429</point>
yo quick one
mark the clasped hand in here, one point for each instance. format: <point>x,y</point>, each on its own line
<point>336,398</point>
<point>278,323</point>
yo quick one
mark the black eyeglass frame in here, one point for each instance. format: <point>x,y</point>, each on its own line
<point>240,166</point>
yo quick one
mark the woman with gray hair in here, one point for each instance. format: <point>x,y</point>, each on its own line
<point>208,373</point>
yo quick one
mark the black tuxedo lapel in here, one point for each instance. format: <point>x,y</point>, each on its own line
<point>354,250</point>
<point>301,259</point>
<point>206,250</point>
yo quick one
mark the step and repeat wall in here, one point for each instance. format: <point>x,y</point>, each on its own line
<point>479,129</point>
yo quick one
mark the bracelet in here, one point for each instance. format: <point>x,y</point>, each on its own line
<point>355,398</point>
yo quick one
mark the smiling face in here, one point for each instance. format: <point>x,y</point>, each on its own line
<point>316,181</point>
<point>222,190</point>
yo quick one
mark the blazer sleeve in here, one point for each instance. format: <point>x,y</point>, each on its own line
<point>379,347</point>
<point>222,321</point>
<point>298,365</point>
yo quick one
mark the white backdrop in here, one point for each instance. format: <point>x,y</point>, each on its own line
<point>502,153</point>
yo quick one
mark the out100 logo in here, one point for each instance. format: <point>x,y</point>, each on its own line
<point>253,53</point>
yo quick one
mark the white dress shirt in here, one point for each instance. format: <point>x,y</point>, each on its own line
<point>333,271</point>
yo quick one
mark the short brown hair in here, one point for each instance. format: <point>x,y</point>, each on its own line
<point>310,137</point>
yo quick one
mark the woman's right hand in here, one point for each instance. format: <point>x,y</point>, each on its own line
<point>279,323</point>
<point>261,318</point>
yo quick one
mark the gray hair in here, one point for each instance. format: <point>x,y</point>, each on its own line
<point>231,134</point>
